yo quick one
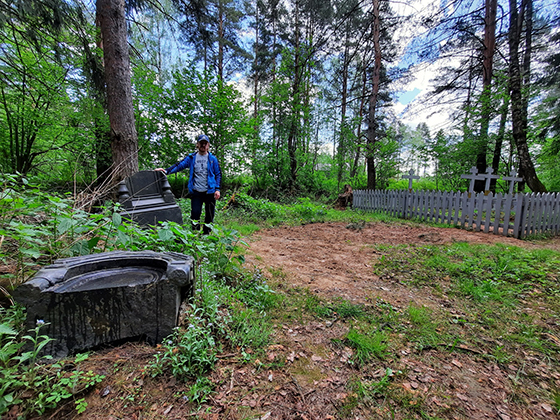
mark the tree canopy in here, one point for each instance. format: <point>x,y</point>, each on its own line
<point>298,96</point>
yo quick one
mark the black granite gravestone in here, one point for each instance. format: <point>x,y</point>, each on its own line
<point>107,298</point>
<point>147,199</point>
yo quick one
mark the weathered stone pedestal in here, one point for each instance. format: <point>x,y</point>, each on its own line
<point>108,298</point>
<point>147,199</point>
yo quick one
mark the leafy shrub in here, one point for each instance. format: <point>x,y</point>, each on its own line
<point>307,212</point>
<point>39,228</point>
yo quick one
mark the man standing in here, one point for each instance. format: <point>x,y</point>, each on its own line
<point>205,178</point>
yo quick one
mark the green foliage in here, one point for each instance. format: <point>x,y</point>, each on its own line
<point>188,352</point>
<point>307,212</point>
<point>62,385</point>
<point>64,231</point>
<point>556,401</point>
<point>497,272</point>
<point>250,209</point>
<point>422,184</point>
<point>366,391</point>
<point>316,306</point>
<point>32,105</point>
<point>366,345</point>
<point>221,314</point>
<point>200,391</point>
<point>40,227</point>
<point>248,213</point>
<point>339,308</point>
<point>191,102</point>
<point>250,329</point>
<point>491,279</point>
<point>254,292</point>
<point>46,125</point>
<point>22,373</point>
<point>229,306</point>
<point>424,330</point>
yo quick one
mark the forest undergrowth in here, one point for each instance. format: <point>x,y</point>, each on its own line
<point>250,337</point>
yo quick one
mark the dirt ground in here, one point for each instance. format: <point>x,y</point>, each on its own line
<point>304,375</point>
<point>335,259</point>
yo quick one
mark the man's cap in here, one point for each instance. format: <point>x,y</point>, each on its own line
<point>202,137</point>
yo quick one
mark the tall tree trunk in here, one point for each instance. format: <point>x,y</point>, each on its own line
<point>256,65</point>
<point>375,83</point>
<point>274,46</point>
<point>499,140</point>
<point>296,97</point>
<point>343,130</point>
<point>96,75</point>
<point>307,68</point>
<point>221,41</point>
<point>518,103</point>
<point>356,162</point>
<point>124,139</point>
<point>488,58</point>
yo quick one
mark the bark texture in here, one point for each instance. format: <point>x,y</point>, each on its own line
<point>375,82</point>
<point>124,139</point>
<point>487,73</point>
<point>518,103</point>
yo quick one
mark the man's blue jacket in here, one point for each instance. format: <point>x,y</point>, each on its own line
<point>214,172</point>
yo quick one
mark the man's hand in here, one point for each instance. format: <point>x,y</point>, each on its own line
<point>217,195</point>
<point>161,170</point>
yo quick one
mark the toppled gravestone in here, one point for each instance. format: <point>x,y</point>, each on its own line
<point>147,199</point>
<point>108,298</point>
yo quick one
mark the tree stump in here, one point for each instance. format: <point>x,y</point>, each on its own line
<point>345,198</point>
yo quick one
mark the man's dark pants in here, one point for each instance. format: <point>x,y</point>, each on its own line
<point>197,199</point>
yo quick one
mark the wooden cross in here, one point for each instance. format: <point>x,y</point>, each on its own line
<point>512,178</point>
<point>489,177</point>
<point>473,177</point>
<point>410,177</point>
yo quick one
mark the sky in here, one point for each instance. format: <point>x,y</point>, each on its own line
<point>405,98</point>
<point>409,94</point>
<point>409,107</point>
<point>408,104</point>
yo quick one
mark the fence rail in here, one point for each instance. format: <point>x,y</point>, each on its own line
<point>517,215</point>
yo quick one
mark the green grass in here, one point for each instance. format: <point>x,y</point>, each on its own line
<point>488,282</point>
<point>485,273</point>
<point>556,401</point>
<point>338,308</point>
<point>502,304</point>
<point>247,214</point>
<point>366,345</point>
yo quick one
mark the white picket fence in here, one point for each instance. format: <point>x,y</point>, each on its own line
<point>518,215</point>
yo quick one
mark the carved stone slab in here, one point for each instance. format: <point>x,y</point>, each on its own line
<point>108,298</point>
<point>147,199</point>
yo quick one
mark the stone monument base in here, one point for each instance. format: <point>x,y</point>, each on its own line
<point>101,299</point>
